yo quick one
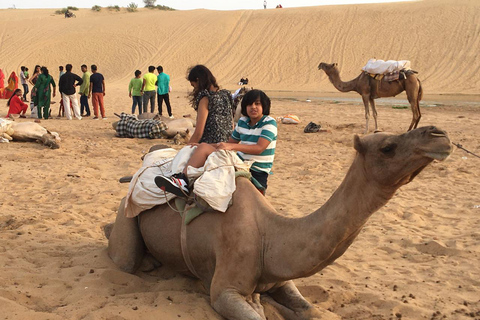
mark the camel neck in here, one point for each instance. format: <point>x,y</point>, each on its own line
<point>315,241</point>
<point>340,85</point>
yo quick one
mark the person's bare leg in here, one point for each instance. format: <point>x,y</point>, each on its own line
<point>199,156</point>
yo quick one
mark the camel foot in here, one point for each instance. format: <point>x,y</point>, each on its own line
<point>149,263</point>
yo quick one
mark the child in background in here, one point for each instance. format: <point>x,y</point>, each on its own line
<point>135,91</point>
<point>254,138</point>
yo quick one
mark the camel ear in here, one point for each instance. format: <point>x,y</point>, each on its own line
<point>335,64</point>
<point>357,144</point>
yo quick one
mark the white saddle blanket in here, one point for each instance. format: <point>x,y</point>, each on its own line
<point>375,66</point>
<point>215,181</point>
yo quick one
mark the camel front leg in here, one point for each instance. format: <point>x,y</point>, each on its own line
<point>291,304</point>
<point>367,111</point>
<point>374,111</point>
<point>233,306</point>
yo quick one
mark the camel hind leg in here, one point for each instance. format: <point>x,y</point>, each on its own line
<point>374,111</point>
<point>414,95</point>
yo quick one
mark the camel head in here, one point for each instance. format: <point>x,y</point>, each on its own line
<point>391,160</point>
<point>50,140</point>
<point>327,66</point>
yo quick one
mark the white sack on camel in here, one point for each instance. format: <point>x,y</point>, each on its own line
<point>215,180</point>
<point>375,66</point>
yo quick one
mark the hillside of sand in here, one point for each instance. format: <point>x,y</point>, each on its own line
<point>276,49</point>
<point>416,258</point>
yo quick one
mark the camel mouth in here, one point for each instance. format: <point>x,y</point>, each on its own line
<point>440,156</point>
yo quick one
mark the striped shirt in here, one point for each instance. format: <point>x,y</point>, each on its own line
<point>265,128</point>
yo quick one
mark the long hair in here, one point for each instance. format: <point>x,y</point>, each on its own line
<point>205,79</point>
<point>14,94</point>
<point>35,69</point>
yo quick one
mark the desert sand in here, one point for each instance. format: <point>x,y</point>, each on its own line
<point>416,258</point>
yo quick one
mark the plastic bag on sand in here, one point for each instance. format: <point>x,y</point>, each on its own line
<point>289,119</point>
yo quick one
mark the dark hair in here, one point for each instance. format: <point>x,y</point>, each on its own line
<point>22,68</point>
<point>94,67</point>
<point>44,70</point>
<point>68,67</point>
<point>160,69</point>
<point>151,68</point>
<point>83,66</point>
<point>60,68</point>
<point>137,73</point>
<point>205,79</point>
<point>26,69</point>
<point>14,94</point>
<point>35,69</point>
<point>253,95</point>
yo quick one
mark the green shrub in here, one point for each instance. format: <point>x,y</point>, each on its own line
<point>61,11</point>
<point>72,8</point>
<point>165,8</point>
<point>111,8</point>
<point>132,7</point>
<point>96,8</point>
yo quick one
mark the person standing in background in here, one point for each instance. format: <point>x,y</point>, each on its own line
<point>66,87</point>
<point>97,92</point>
<point>23,81</point>
<point>265,4</point>
<point>163,87</point>
<point>135,91</point>
<point>84,88</point>
<point>60,68</point>
<point>148,89</point>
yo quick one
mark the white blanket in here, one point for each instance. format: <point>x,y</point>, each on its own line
<point>375,66</point>
<point>215,180</point>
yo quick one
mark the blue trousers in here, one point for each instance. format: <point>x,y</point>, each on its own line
<point>137,100</point>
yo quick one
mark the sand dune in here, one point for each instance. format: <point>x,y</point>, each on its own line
<point>276,49</point>
<point>417,258</point>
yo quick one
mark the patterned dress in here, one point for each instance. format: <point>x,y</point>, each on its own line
<point>219,124</point>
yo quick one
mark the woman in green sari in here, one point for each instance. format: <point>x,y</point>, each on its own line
<point>43,89</point>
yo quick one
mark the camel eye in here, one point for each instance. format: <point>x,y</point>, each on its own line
<point>389,149</point>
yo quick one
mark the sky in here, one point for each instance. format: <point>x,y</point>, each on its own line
<point>180,5</point>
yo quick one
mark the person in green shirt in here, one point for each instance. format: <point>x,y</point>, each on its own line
<point>135,91</point>
<point>149,90</point>
<point>84,87</point>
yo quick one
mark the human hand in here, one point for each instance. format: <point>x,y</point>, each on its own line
<point>223,146</point>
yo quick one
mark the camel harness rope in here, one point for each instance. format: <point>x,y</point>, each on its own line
<point>458,145</point>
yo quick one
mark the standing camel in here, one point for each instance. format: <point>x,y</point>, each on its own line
<point>251,249</point>
<point>371,89</point>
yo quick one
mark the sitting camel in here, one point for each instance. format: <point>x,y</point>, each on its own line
<point>371,89</point>
<point>251,249</point>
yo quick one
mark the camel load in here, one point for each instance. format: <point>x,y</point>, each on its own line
<point>375,66</point>
<point>251,249</point>
<point>214,182</point>
<point>28,131</point>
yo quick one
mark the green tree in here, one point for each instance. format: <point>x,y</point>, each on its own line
<point>149,3</point>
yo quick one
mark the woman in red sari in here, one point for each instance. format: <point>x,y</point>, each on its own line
<point>11,87</point>
<point>16,105</point>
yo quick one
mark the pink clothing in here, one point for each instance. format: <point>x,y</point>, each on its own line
<point>17,106</point>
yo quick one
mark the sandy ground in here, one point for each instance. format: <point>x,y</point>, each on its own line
<point>417,258</point>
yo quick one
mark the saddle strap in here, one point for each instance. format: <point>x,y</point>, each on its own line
<point>183,245</point>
